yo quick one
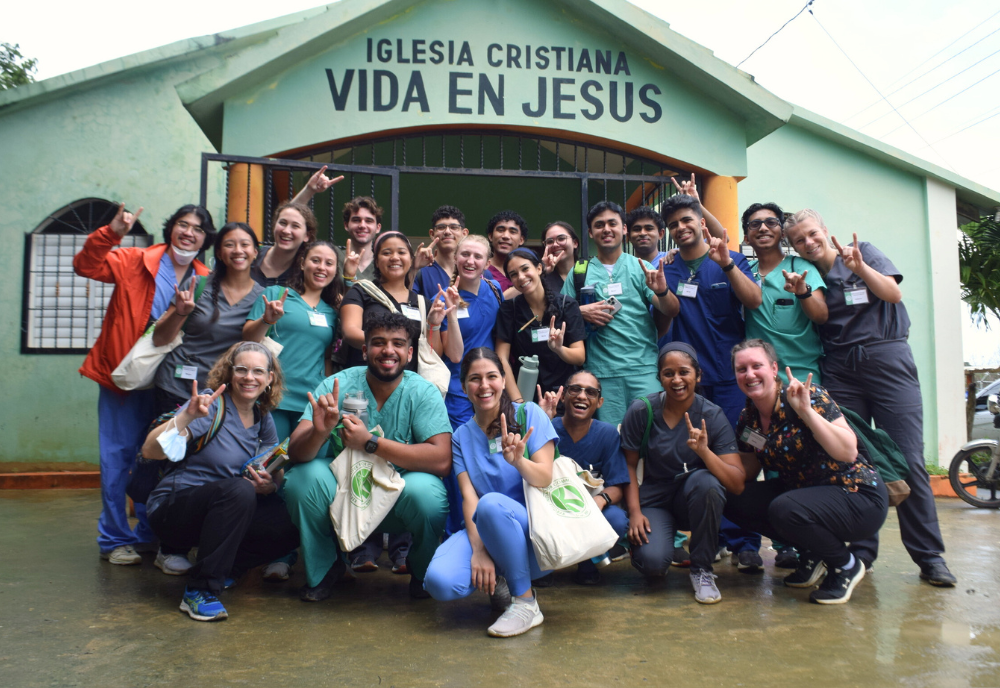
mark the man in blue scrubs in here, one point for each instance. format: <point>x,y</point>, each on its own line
<point>596,446</point>
<point>713,285</point>
<point>447,229</point>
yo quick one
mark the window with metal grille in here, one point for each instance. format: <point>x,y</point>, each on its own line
<point>63,312</point>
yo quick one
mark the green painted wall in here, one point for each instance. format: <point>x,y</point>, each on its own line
<point>856,193</point>
<point>297,108</point>
<point>126,139</point>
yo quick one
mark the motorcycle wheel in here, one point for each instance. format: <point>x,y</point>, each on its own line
<point>975,490</point>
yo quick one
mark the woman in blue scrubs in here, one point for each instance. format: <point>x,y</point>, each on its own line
<point>493,455</point>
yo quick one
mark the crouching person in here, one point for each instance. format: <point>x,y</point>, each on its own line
<point>595,446</point>
<point>494,454</point>
<point>236,522</point>
<point>690,463</point>
<point>827,492</point>
<point>417,441</point>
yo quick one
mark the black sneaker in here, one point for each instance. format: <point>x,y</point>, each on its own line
<point>618,552</point>
<point>417,591</point>
<point>681,559</point>
<point>838,585</point>
<point>322,591</point>
<point>546,581</point>
<point>787,558</point>
<point>937,574</point>
<point>749,561</point>
<point>808,573</point>
<point>587,574</point>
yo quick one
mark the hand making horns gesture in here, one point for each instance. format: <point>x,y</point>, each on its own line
<point>718,249</point>
<point>121,224</point>
<point>273,310</point>
<point>851,255</point>
<point>549,401</point>
<point>556,334</point>
<point>688,188</point>
<point>513,444</point>
<point>799,395</point>
<point>424,255</point>
<point>794,282</point>
<point>551,257</point>
<point>655,279</point>
<point>326,412</point>
<point>319,182</point>
<point>184,301</point>
<point>351,260</point>
<point>697,439</point>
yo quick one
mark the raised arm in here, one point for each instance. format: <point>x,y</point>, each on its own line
<point>92,261</point>
<point>256,330</point>
<point>883,286</point>
<point>814,305</point>
<point>726,467</point>
<point>171,322</point>
<point>746,290</point>
<point>318,183</point>
<point>197,407</point>
<point>536,470</point>
<point>689,188</point>
<point>836,437</point>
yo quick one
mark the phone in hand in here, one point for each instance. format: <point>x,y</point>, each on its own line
<point>614,304</point>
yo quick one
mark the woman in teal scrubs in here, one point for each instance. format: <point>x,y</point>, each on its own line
<point>302,317</point>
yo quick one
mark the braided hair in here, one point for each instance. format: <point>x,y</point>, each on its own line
<point>219,271</point>
<point>506,405</point>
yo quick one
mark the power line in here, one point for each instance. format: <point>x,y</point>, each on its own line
<point>776,32</point>
<point>918,78</point>
<point>934,107</point>
<point>975,124</point>
<point>865,77</point>
<point>940,83</point>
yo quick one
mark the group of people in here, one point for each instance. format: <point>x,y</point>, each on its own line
<point>677,377</point>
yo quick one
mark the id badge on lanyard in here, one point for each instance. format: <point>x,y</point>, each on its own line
<point>688,289</point>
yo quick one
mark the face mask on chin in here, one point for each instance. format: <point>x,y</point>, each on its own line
<point>182,257</point>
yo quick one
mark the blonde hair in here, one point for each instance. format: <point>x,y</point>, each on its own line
<point>806,214</point>
<point>482,241</point>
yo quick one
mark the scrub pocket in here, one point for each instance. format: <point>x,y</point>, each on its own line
<point>717,299</point>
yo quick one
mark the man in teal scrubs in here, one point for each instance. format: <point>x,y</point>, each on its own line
<point>621,349</point>
<point>792,296</point>
<point>416,440</point>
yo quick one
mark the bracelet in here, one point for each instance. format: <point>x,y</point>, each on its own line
<point>732,264</point>
<point>661,294</point>
<point>435,328</point>
<point>267,321</point>
<point>349,279</point>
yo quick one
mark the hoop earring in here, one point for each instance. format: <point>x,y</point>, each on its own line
<point>268,390</point>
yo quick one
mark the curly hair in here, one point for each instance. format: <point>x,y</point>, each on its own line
<point>507,216</point>
<point>448,211</point>
<point>359,202</point>
<point>222,374</point>
<point>219,271</point>
<point>333,292</point>
<point>506,405</point>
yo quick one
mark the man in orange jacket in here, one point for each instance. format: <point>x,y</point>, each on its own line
<point>146,280</point>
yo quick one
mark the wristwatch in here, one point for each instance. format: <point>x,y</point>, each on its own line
<point>809,292</point>
<point>371,445</point>
<point>607,498</point>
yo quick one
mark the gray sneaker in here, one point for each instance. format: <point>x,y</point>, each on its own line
<point>705,590</point>
<point>172,564</point>
<point>500,599</point>
<point>123,555</point>
<point>521,616</point>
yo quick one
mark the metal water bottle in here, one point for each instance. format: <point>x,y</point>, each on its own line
<point>587,295</point>
<point>527,377</point>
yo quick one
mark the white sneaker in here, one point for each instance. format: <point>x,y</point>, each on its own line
<point>277,571</point>
<point>705,590</point>
<point>172,564</point>
<point>521,616</point>
<point>123,555</point>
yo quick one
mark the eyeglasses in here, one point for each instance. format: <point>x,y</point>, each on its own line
<point>592,392</point>
<point>243,371</point>
<point>560,239</point>
<point>453,227</point>
<point>187,225</point>
<point>771,222</point>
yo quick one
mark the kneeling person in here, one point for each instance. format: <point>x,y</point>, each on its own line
<point>596,446</point>
<point>417,441</point>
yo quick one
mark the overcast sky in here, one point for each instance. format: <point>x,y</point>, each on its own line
<point>949,50</point>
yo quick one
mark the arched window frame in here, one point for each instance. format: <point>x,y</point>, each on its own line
<point>62,312</point>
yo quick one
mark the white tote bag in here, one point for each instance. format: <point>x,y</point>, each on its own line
<point>367,489</point>
<point>565,524</point>
<point>429,364</point>
<point>138,369</point>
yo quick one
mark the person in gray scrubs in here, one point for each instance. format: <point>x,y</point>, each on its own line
<point>869,368</point>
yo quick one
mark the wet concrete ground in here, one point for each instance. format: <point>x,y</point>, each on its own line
<point>68,618</point>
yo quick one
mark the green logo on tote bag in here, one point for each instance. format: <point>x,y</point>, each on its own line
<point>566,499</point>
<point>361,484</point>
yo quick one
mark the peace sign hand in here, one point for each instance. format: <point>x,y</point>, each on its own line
<point>549,401</point>
<point>799,395</point>
<point>123,221</point>
<point>351,260</point>
<point>424,256</point>
<point>273,310</point>
<point>184,301</point>
<point>556,335</point>
<point>513,444</point>
<point>319,182</point>
<point>794,282</point>
<point>198,405</point>
<point>697,439</point>
<point>655,279</point>
<point>326,412</point>
<point>688,188</point>
<point>718,249</point>
<point>851,255</point>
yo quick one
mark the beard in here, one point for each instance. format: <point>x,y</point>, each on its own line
<point>382,376</point>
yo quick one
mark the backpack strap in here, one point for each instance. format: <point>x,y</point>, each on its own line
<point>644,445</point>
<point>522,420</point>
<point>579,276</point>
<point>196,444</point>
<point>373,291</point>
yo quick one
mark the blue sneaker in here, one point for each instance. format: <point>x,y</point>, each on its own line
<point>202,605</point>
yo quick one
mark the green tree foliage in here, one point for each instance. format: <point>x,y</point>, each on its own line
<point>15,70</point>
<point>979,263</point>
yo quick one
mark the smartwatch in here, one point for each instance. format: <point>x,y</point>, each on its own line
<point>371,445</point>
<point>606,497</point>
<point>809,292</point>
